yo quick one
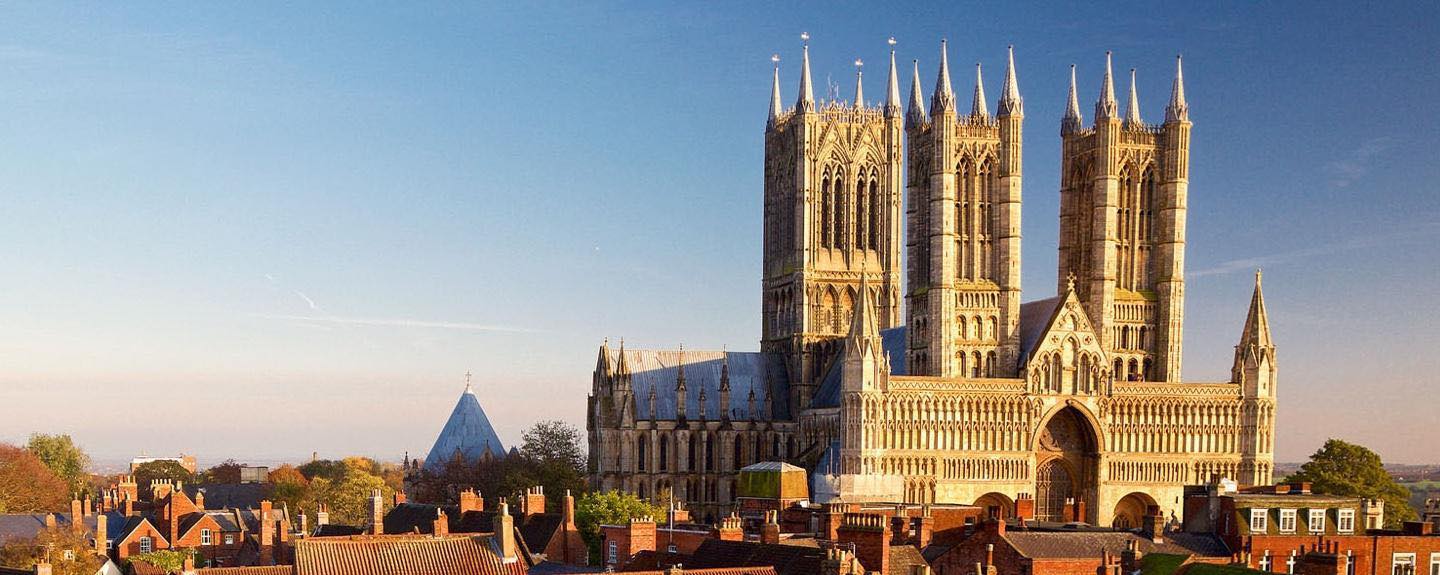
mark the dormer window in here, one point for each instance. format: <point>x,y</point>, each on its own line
<point>1345,521</point>
<point>1317,521</point>
<point>1287,520</point>
<point>1259,520</point>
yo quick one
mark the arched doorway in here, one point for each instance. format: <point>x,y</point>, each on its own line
<point>1131,510</point>
<point>996,505</point>
<point>1067,463</point>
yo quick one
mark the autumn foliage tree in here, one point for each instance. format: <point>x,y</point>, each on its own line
<point>59,453</point>
<point>52,546</point>
<point>27,485</point>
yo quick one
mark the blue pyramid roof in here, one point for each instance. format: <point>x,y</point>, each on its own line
<point>467,431</point>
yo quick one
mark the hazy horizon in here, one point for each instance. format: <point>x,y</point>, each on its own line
<point>262,231</point>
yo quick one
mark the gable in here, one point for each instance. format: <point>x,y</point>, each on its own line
<point>1065,356</point>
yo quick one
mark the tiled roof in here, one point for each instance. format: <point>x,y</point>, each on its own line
<point>1087,544</point>
<point>389,555</point>
<point>763,570</point>
<point>467,431</point>
<point>268,570</point>
<point>903,559</point>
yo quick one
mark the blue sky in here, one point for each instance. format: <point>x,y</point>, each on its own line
<point>270,229</point>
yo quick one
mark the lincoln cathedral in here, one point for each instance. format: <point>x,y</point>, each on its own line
<point>946,388</point>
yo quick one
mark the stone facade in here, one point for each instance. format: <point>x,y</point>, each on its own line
<point>1072,404</point>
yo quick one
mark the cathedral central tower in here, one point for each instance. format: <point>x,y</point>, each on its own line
<point>833,175</point>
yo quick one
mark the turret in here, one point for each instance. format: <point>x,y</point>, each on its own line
<point>775,108</point>
<point>1132,109</point>
<point>1010,102</point>
<point>1254,366</point>
<point>724,386</point>
<point>977,107</point>
<point>1106,107</point>
<point>866,366</point>
<point>603,369</point>
<point>943,101</point>
<point>806,100</point>
<point>915,114</point>
<point>1072,120</point>
<point>892,91</point>
<point>1178,110</point>
<point>680,386</point>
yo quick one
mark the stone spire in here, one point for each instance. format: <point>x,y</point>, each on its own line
<point>602,363</point>
<point>680,370</point>
<point>977,108</point>
<point>621,367</point>
<point>1072,120</point>
<point>807,95</point>
<point>724,386</point>
<point>859,84</point>
<point>1106,107</point>
<point>775,107</point>
<point>1132,109</point>
<point>892,92</point>
<point>1010,102</point>
<point>943,101</point>
<point>1257,322</point>
<point>1178,110</point>
<point>864,325</point>
<point>916,114</point>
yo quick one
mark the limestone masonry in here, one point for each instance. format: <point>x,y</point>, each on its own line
<point>1071,404</point>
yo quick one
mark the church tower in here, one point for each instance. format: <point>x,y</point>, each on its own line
<point>1122,226</point>
<point>1255,372</point>
<point>832,214</point>
<point>964,230</point>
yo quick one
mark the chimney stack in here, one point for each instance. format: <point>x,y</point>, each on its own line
<point>86,510</point>
<point>75,514</point>
<point>50,522</point>
<point>377,513</point>
<point>1153,526</point>
<point>322,515</point>
<point>730,529</point>
<point>398,498</point>
<point>42,568</point>
<point>102,542</point>
<point>533,502</point>
<point>770,532</point>
<point>200,500</point>
<point>568,511</point>
<point>441,527</point>
<point>128,508</point>
<point>471,501</point>
<point>505,533</point>
<point>267,534</point>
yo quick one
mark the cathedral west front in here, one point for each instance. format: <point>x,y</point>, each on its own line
<point>947,388</point>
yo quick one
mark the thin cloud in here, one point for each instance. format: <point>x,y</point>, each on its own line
<point>388,322</point>
<point>1358,164</point>
<point>308,301</point>
<point>1424,231</point>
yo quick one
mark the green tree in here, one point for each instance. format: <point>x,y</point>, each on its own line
<point>1346,469</point>
<point>326,468</point>
<point>148,472</point>
<point>349,496</point>
<point>63,457</point>
<point>554,442</point>
<point>552,456</point>
<point>27,485</point>
<point>609,508</point>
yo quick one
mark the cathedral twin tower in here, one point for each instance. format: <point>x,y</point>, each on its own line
<point>834,172</point>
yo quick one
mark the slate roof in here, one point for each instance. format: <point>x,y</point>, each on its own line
<point>535,530</point>
<point>786,559</point>
<point>658,370</point>
<point>1062,545</point>
<point>24,525</point>
<point>337,530</point>
<point>1034,318</point>
<point>467,431</point>
<point>231,495</point>
<point>387,555</point>
<point>892,341</point>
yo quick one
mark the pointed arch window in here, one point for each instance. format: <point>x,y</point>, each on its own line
<point>827,209</point>
<point>640,452</point>
<point>876,207</point>
<point>862,213</point>
<point>664,453</point>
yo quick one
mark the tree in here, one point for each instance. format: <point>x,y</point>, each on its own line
<point>551,456</point>
<point>62,456</point>
<point>167,560</point>
<point>287,474</point>
<point>226,472</point>
<point>609,508</point>
<point>349,496</point>
<point>150,471</point>
<point>554,442</point>
<point>327,468</point>
<point>27,485</point>
<point>51,546</point>
<point>1346,469</point>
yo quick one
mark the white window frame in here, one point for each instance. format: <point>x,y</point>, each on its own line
<point>206,538</point>
<point>1398,562</point>
<point>1259,521</point>
<point>1288,519</point>
<point>1349,562</point>
<point>1317,521</point>
<point>147,545</point>
<point>1345,520</point>
<point>1435,564</point>
<point>613,553</point>
<point>69,555</point>
<point>229,539</point>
